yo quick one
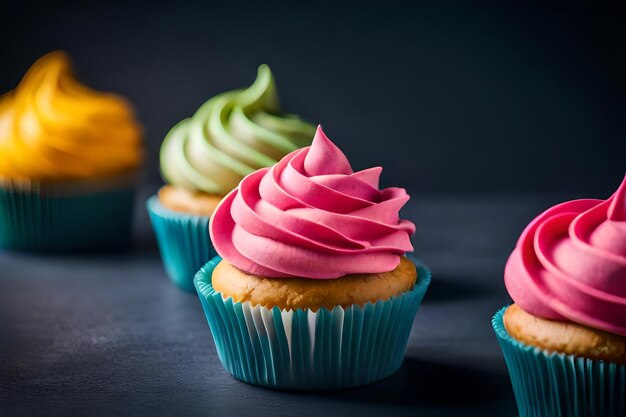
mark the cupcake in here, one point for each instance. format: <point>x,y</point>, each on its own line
<point>311,288</point>
<point>68,162</point>
<point>564,339</point>
<point>204,157</point>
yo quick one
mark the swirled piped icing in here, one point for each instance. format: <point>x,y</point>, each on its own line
<point>312,216</point>
<point>54,128</point>
<point>570,264</point>
<point>230,136</point>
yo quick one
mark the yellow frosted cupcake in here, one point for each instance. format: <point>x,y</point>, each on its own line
<point>68,161</point>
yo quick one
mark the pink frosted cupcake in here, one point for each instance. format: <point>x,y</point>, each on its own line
<point>314,290</point>
<point>564,339</point>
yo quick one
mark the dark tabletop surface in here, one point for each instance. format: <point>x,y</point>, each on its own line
<point>109,335</point>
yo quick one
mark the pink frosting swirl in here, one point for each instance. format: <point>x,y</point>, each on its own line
<point>570,264</point>
<point>312,216</point>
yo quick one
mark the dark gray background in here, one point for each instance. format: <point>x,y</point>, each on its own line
<point>447,96</point>
<point>486,112</point>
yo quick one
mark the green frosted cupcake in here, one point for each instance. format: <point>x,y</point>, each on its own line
<point>205,156</point>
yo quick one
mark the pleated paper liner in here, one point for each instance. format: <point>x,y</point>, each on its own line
<point>548,384</point>
<point>69,216</point>
<point>305,350</point>
<point>183,241</point>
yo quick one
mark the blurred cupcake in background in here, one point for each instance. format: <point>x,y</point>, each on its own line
<point>204,157</point>
<point>564,339</point>
<point>69,157</point>
<point>314,290</point>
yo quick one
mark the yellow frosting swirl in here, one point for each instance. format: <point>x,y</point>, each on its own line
<point>54,128</point>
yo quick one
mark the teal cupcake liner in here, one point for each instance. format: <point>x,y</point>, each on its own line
<point>305,350</point>
<point>77,216</point>
<point>183,240</point>
<point>548,384</point>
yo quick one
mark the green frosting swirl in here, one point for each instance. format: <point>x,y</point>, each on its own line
<point>230,136</point>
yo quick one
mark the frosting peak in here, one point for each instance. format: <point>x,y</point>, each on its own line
<point>570,263</point>
<point>617,209</point>
<point>230,136</point>
<point>325,157</point>
<point>312,216</point>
